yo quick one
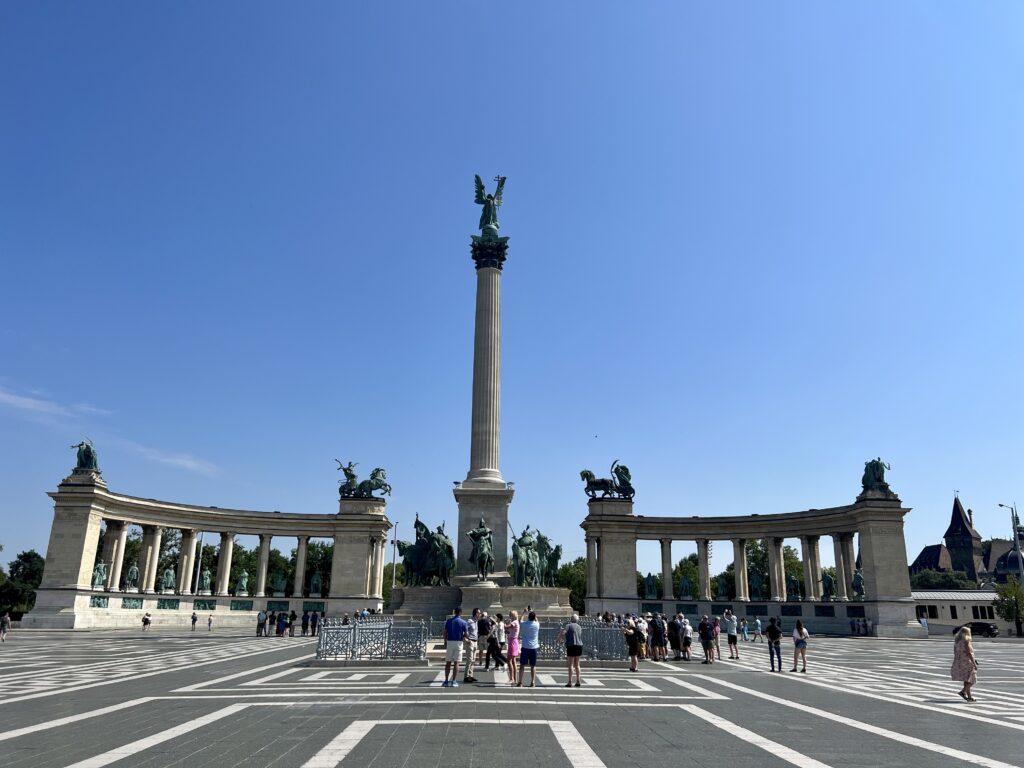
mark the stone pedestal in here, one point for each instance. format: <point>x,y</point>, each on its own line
<point>357,568</point>
<point>615,559</point>
<point>204,592</point>
<point>243,593</point>
<point>490,502</point>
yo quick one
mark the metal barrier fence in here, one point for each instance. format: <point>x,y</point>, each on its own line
<point>371,639</point>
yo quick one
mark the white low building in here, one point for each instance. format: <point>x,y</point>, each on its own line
<point>946,609</point>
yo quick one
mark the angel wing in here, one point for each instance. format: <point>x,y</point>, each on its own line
<point>481,193</point>
<point>497,192</point>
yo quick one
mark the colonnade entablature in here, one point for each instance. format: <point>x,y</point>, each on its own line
<point>875,518</point>
<point>83,504</point>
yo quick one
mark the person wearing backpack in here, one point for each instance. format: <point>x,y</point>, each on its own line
<point>657,626</point>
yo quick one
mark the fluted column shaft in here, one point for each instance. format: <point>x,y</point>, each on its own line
<point>261,568</point>
<point>739,560</point>
<point>227,546</point>
<point>145,555</point>
<point>486,420</point>
<point>812,567</point>
<point>667,592</point>
<point>109,545</point>
<point>300,567</point>
<point>153,564</point>
<point>842,590</point>
<point>776,569</point>
<point>703,570</point>
<point>849,561</point>
<point>121,541</point>
<point>187,560</point>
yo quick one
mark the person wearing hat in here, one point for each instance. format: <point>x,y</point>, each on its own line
<point>686,634</point>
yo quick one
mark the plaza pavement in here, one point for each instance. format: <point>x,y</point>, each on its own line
<point>218,698</point>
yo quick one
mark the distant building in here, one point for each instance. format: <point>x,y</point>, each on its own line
<point>964,551</point>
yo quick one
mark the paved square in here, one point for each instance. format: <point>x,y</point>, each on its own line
<point>102,698</point>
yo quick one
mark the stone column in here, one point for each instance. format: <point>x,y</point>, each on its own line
<point>114,580</point>
<point>842,592</point>
<point>486,421</point>
<point>371,566</point>
<point>591,566</point>
<point>378,590</point>
<point>739,559</point>
<point>812,567</point>
<point>668,592</point>
<point>187,560</point>
<point>776,569</point>
<point>145,553</point>
<point>153,563</point>
<point>109,546</point>
<point>703,575</point>
<point>227,546</point>
<point>298,589</point>
<point>261,568</point>
<point>849,561</point>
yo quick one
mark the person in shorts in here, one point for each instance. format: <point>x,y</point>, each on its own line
<point>453,636</point>
<point>469,643</point>
<point>529,633</point>
<point>573,634</point>
<point>729,619</point>
<point>686,633</point>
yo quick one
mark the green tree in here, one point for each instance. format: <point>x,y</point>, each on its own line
<point>18,592</point>
<point>931,579</point>
<point>573,576</point>
<point>1009,603</point>
<point>399,577</point>
<point>688,567</point>
<point>319,557</point>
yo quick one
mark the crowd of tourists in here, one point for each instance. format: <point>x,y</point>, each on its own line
<point>283,624</point>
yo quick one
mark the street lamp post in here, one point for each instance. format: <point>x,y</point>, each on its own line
<point>1015,523</point>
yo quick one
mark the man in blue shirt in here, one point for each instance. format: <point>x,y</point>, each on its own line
<point>529,635</point>
<point>454,632</point>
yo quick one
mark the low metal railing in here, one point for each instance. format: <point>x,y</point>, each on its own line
<point>374,638</point>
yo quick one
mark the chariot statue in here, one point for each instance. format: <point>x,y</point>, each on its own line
<point>86,458</point>
<point>619,485</point>
<point>351,488</point>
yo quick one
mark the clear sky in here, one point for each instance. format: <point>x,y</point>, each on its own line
<point>752,246</point>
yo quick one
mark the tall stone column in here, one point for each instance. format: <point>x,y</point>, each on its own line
<point>776,569</point>
<point>227,546</point>
<point>261,567</point>
<point>298,589</point>
<point>849,561</point>
<point>145,554</point>
<point>739,559</point>
<point>703,574</point>
<point>109,546</point>
<point>484,492</point>
<point>812,567</point>
<point>591,566</point>
<point>153,564</point>
<point>121,541</point>
<point>842,591</point>
<point>666,570</point>
<point>187,560</point>
<point>378,572</point>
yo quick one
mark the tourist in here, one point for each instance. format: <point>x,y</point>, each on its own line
<point>774,643</point>
<point>344,620</point>
<point>314,623</point>
<point>800,636</point>
<point>658,643</point>
<point>965,666</point>
<point>573,648</point>
<point>261,623</point>
<point>282,623</point>
<point>195,618</point>
<point>454,632</point>
<point>271,623</point>
<point>706,633</point>
<point>529,632</point>
<point>497,629</point>
<point>499,633</point>
<point>305,622</point>
<point>209,623</point>
<point>674,628</point>
<point>730,632</point>
<point>483,634</point>
<point>853,626</point>
<point>632,644</point>
<point>291,623</point>
<point>743,629</point>
<point>716,633</point>
<point>687,636</point>
<point>512,632</point>
<point>757,631</point>
<point>5,626</point>
<point>146,621</point>
<point>640,627</point>
<point>470,642</point>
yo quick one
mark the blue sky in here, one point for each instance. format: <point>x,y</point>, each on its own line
<point>752,247</point>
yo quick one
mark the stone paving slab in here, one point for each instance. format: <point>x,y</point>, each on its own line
<point>223,699</point>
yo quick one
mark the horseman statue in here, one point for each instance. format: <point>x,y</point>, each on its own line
<point>482,555</point>
<point>619,485</point>
<point>351,488</point>
<point>525,561</point>
<point>428,559</point>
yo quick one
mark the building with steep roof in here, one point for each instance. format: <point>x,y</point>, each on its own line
<point>963,542</point>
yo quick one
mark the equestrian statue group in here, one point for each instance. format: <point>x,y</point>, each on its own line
<point>430,560</point>
<point>619,485</point>
<point>534,560</point>
<point>352,488</point>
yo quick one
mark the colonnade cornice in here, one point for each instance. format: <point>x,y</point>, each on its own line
<point>141,511</point>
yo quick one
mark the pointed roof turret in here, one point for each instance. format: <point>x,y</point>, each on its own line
<point>959,523</point>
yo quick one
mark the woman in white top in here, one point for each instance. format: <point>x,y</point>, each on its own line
<point>800,636</point>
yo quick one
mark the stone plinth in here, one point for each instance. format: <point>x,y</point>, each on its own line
<point>492,504</point>
<point>548,602</point>
<point>357,570</point>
